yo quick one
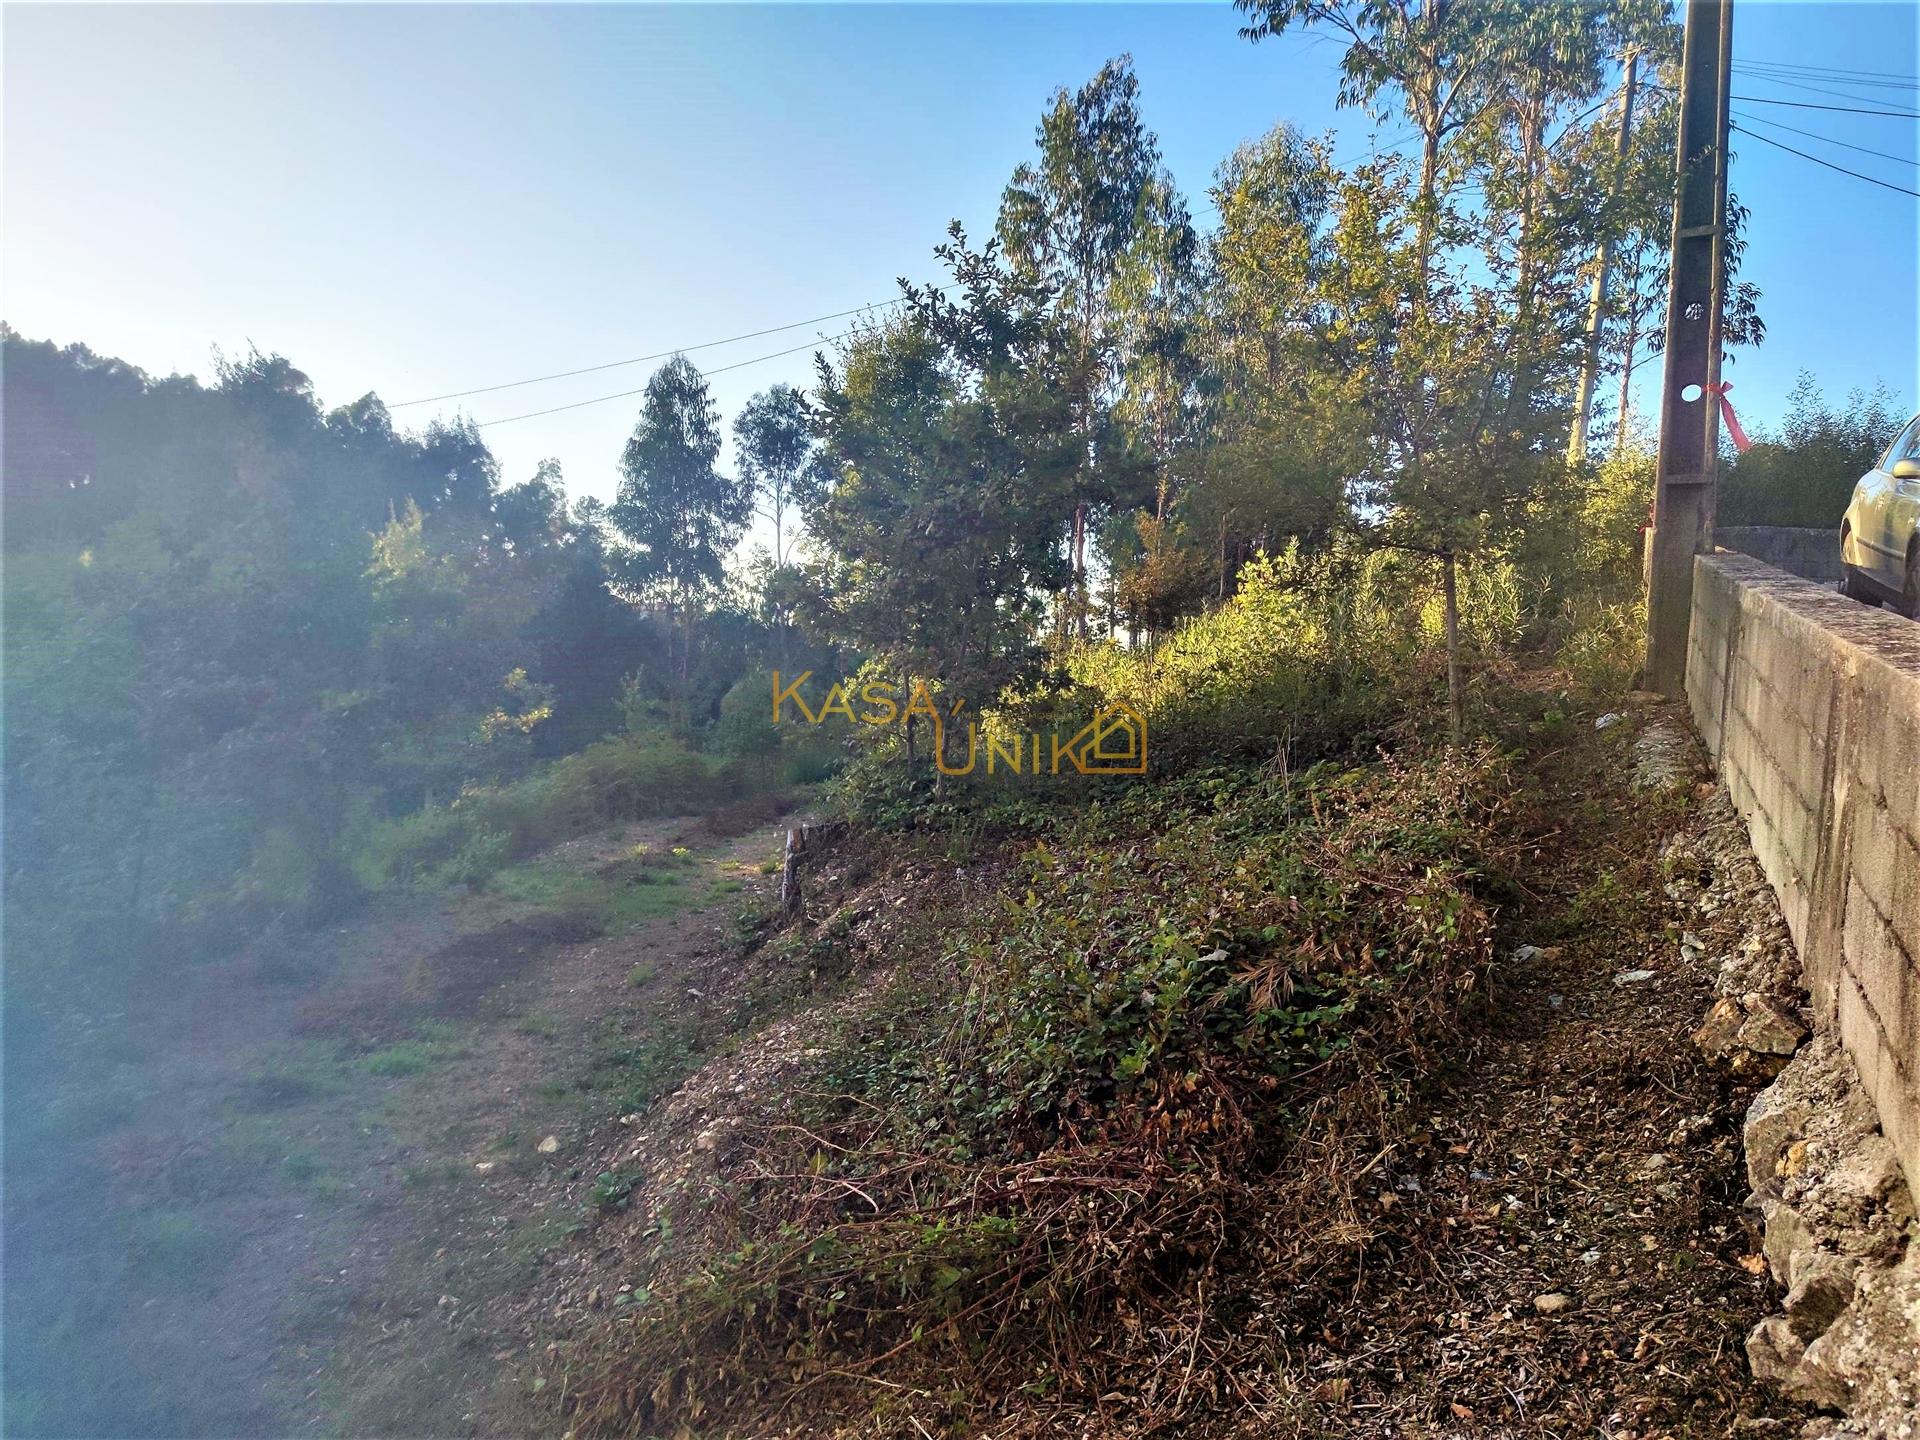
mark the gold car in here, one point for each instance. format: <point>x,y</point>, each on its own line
<point>1880,537</point>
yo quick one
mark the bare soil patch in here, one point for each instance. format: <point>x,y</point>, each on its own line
<point>336,1159</point>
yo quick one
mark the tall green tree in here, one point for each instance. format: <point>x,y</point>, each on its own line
<point>943,474</point>
<point>677,514</point>
<point>1437,57</point>
<point>1097,196</point>
<point>773,438</point>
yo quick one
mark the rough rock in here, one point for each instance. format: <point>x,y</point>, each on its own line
<point>1839,1233</point>
<point>1773,1350</point>
<point>1664,756</point>
<point>1840,1239</point>
<point>1771,1027</point>
<point>1822,1288</point>
<point>1719,1033</point>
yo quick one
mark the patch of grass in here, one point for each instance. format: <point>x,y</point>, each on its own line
<point>177,1249</point>
<point>636,1071</point>
<point>311,1072</point>
<point>614,901</point>
<point>538,1025</point>
<point>434,1045</point>
<point>303,1168</point>
<point>641,974</point>
<point>428,1173</point>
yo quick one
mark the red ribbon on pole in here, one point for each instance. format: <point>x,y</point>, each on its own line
<point>1739,437</point>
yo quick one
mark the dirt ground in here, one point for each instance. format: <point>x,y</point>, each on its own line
<point>335,1153</point>
<point>361,1191</point>
<point>1571,1254</point>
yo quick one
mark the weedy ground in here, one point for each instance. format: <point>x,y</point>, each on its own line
<point>1248,1103</point>
<point>1244,1103</point>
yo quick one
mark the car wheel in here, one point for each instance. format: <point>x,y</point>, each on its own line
<point>1856,586</point>
<point>1910,592</point>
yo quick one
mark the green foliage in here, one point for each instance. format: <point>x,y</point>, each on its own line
<point>435,1045</point>
<point>942,488</point>
<point>469,840</point>
<point>678,515</point>
<point>630,1072</point>
<point>244,636</point>
<point>1185,995</point>
<point>612,1188</point>
<point>1306,655</point>
<point>1606,653</point>
<point>1227,919</point>
<point>1805,475</point>
<point>773,438</point>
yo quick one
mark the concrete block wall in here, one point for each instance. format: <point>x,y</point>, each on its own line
<point>1810,704</point>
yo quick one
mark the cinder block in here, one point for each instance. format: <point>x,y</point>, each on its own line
<point>1888,977</point>
<point>1894,1099</point>
<point>1811,705</point>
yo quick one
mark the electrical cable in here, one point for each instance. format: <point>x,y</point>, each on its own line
<point>642,359</point>
<point>627,394</point>
<point>1828,139</point>
<point>1871,180</point>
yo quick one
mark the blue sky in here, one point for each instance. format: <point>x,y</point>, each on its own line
<point>421,199</point>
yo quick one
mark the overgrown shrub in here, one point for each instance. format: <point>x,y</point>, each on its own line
<point>622,777</point>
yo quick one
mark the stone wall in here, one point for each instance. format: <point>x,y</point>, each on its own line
<point>1810,705</point>
<point>1810,554</point>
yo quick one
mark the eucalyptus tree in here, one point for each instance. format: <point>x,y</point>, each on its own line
<point>773,438</point>
<point>1097,206</point>
<point>1447,469</point>
<point>941,479</point>
<point>1438,57</point>
<point>679,517</point>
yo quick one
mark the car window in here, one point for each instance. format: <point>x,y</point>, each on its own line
<point>1906,447</point>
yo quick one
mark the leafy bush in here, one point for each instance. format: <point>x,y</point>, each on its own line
<point>1305,652</point>
<point>1607,649</point>
<point>1805,475</point>
<point>622,777</point>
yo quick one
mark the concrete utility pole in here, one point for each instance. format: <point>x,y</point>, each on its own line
<point>1602,273</point>
<point>1689,410</point>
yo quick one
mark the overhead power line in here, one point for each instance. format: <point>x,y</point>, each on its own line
<point>1810,105</point>
<point>1843,109</point>
<point>1772,79</point>
<point>642,359</point>
<point>1840,72</point>
<point>1827,139</point>
<point>1871,180</point>
<point>627,394</point>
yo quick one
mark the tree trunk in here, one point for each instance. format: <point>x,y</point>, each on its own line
<point>1081,601</point>
<point>1428,202</point>
<point>906,698</point>
<point>1602,274</point>
<point>1626,386</point>
<point>1456,711</point>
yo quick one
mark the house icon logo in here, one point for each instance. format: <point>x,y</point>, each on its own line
<point>1114,742</point>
